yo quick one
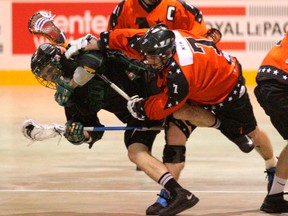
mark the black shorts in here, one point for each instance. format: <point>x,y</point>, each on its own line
<point>236,114</point>
<point>273,98</point>
<point>145,137</point>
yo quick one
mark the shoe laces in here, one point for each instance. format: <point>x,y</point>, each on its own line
<point>163,198</point>
<point>163,194</point>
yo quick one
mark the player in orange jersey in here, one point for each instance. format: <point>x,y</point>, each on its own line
<point>272,94</point>
<point>191,70</point>
<point>176,14</point>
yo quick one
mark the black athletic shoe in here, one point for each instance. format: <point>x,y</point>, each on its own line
<point>275,204</point>
<point>183,200</point>
<point>160,203</point>
<point>270,176</point>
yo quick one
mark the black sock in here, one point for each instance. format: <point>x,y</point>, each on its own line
<point>169,183</point>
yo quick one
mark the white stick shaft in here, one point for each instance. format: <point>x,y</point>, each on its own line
<point>114,86</point>
<point>120,91</point>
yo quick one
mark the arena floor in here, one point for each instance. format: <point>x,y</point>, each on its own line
<point>47,178</point>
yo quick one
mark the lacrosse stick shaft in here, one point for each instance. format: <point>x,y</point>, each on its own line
<point>120,128</point>
<point>115,128</point>
<point>114,86</point>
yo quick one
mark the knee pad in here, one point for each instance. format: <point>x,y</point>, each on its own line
<point>174,154</point>
<point>185,126</point>
<point>245,143</point>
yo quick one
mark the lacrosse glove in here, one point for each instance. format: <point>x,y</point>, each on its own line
<point>136,108</point>
<point>74,132</point>
<point>76,45</point>
<point>63,92</point>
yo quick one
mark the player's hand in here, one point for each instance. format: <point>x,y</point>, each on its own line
<point>135,107</point>
<point>63,92</point>
<point>76,45</point>
<point>74,132</point>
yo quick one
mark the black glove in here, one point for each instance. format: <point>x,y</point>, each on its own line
<point>94,137</point>
<point>74,132</point>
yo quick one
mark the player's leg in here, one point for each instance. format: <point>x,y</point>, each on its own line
<point>138,152</point>
<point>238,122</point>
<point>196,115</point>
<point>273,98</point>
<point>176,135</point>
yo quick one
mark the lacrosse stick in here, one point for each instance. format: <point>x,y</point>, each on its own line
<point>42,23</point>
<point>35,131</point>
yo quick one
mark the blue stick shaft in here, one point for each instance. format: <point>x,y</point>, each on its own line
<point>119,128</point>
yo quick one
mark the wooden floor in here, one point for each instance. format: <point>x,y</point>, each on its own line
<point>50,179</point>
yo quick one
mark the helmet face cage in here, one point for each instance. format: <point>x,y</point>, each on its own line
<point>159,41</point>
<point>45,65</point>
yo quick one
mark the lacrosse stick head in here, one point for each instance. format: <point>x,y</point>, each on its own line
<point>46,65</point>
<point>41,23</point>
<point>35,131</point>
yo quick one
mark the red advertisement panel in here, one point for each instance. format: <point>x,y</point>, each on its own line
<point>75,19</point>
<point>223,11</point>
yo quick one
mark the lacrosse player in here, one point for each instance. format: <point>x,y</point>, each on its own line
<point>191,69</point>
<point>139,14</point>
<point>50,66</point>
<point>147,13</point>
<point>271,92</point>
<point>175,14</point>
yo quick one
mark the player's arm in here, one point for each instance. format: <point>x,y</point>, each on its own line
<point>124,40</point>
<point>159,106</point>
<point>88,63</point>
<point>132,65</point>
<point>116,16</point>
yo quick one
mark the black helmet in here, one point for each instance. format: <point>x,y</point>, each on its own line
<point>160,41</point>
<point>47,56</point>
<point>157,40</point>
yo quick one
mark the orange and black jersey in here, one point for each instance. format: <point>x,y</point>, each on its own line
<point>275,64</point>
<point>176,14</point>
<point>199,72</point>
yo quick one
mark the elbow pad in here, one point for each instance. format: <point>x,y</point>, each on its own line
<point>81,76</point>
